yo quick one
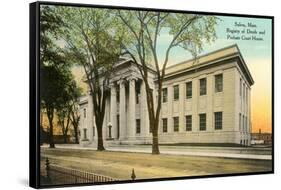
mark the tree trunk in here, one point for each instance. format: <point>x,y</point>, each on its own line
<point>155,144</point>
<point>76,135</point>
<point>65,133</point>
<point>51,133</point>
<point>65,138</point>
<point>153,120</point>
<point>75,123</point>
<point>100,146</point>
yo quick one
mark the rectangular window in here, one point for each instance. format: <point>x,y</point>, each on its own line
<point>165,125</point>
<point>218,83</point>
<point>218,120</point>
<point>93,131</point>
<point>188,90</point>
<point>203,86</point>
<point>85,134</point>
<point>138,87</point>
<point>188,123</point>
<point>176,92</point>
<point>138,126</point>
<point>165,94</point>
<point>202,122</point>
<point>176,124</point>
<point>85,112</point>
<point>137,98</point>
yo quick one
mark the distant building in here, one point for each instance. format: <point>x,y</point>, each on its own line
<point>261,138</point>
<point>203,101</point>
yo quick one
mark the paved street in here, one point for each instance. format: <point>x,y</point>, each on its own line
<point>224,152</point>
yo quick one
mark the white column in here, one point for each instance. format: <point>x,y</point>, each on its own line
<point>113,111</point>
<point>195,97</point>
<point>182,107</point>
<point>170,109</point>
<point>144,113</point>
<point>122,109</point>
<point>132,109</point>
<point>209,103</point>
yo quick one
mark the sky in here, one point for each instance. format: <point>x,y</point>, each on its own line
<point>255,51</point>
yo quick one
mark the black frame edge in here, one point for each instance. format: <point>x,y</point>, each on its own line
<point>108,6</point>
<point>34,130</point>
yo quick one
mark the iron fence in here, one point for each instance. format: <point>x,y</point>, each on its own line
<point>54,175</point>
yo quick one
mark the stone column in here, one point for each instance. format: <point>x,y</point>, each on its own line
<point>182,107</point>
<point>122,109</point>
<point>209,103</point>
<point>170,109</point>
<point>113,111</point>
<point>195,103</point>
<point>144,113</point>
<point>132,109</point>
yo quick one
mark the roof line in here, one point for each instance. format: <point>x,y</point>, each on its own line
<point>204,55</point>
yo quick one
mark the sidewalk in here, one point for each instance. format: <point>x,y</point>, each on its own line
<point>224,152</point>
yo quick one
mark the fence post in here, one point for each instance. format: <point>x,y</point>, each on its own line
<point>47,168</point>
<point>133,176</point>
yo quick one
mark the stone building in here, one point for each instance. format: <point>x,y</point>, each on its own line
<point>207,100</point>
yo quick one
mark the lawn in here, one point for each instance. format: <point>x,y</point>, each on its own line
<point>120,164</point>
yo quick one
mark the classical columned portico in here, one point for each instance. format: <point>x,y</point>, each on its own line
<point>132,108</point>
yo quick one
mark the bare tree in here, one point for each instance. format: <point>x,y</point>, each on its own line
<point>75,118</point>
<point>64,122</point>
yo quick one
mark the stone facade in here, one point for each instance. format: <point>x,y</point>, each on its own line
<point>206,100</point>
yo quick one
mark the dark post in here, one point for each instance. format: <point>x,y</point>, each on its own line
<point>47,168</point>
<point>133,176</point>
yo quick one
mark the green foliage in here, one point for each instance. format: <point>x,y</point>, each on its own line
<point>53,86</point>
<point>57,86</point>
<point>91,39</point>
<point>67,110</point>
<point>143,28</point>
<point>50,24</point>
<point>193,31</point>
<point>56,79</point>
